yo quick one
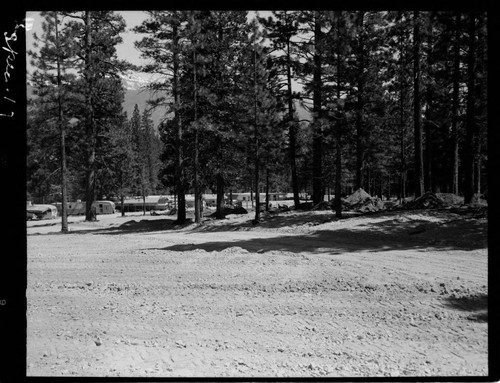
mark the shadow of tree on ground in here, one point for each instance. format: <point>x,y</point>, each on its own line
<point>394,231</point>
<point>477,305</point>
<point>328,241</point>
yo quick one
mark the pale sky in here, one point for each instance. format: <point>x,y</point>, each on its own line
<point>125,51</point>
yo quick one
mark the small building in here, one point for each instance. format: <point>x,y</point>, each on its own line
<point>42,211</point>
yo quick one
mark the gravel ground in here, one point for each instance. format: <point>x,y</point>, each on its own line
<point>302,294</point>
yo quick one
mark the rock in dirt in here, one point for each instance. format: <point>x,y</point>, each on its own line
<point>234,250</point>
<point>180,344</point>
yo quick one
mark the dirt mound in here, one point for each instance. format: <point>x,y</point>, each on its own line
<point>362,202</point>
<point>359,196</point>
<point>323,205</point>
<point>446,201</point>
<point>450,199</point>
<point>425,201</point>
<point>373,205</point>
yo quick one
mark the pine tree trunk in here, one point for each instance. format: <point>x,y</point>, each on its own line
<point>428,185</point>
<point>338,134</point>
<point>470,124</point>
<point>179,175</point>
<point>338,170</point>
<point>90,124</point>
<point>60,118</point>
<point>428,175</point>
<point>197,207</point>
<point>317,146</point>
<point>122,205</point>
<point>219,213</point>
<point>267,189</point>
<point>417,110</point>
<point>482,96</point>
<point>360,106</point>
<point>292,131</point>
<point>257,194</point>
<point>389,187</point>
<point>251,193</point>
<point>402,123</point>
<point>181,203</point>
<point>477,170</point>
<point>455,103</point>
<point>256,139</point>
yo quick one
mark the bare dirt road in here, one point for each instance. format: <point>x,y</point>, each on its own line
<point>302,294</point>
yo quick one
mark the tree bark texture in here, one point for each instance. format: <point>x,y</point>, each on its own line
<point>90,214</point>
<point>360,105</point>
<point>60,118</point>
<point>417,110</point>
<point>470,123</point>
<point>317,147</point>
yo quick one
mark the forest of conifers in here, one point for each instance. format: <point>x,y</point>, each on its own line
<point>306,102</point>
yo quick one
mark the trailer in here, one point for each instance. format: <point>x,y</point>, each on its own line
<point>149,203</point>
<point>41,212</point>
<point>104,207</point>
<point>78,207</point>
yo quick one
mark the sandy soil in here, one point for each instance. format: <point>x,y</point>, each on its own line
<point>302,294</point>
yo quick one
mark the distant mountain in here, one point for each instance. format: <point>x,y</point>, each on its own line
<point>133,96</point>
<point>135,93</point>
<point>141,97</point>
